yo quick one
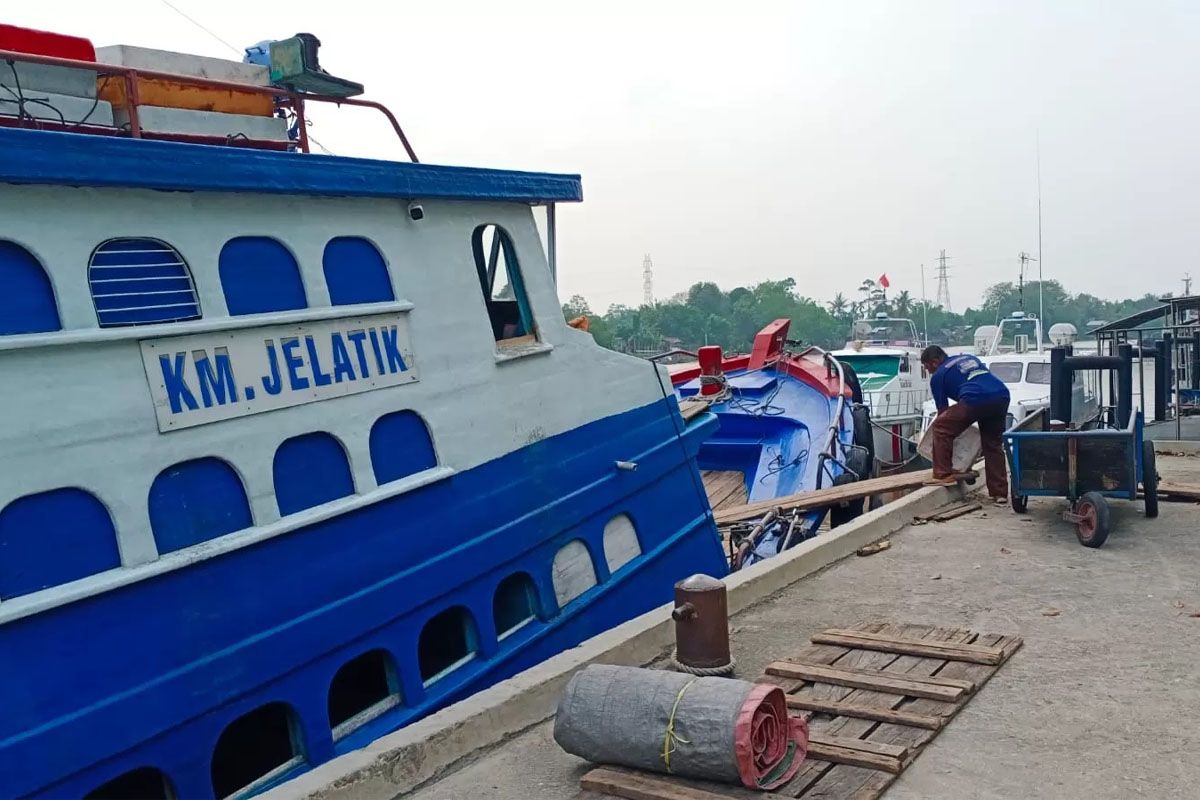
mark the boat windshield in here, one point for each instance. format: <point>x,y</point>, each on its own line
<point>1038,373</point>
<point>1007,371</point>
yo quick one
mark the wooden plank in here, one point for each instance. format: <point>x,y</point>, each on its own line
<point>929,680</point>
<point>854,757</point>
<point>954,513</point>
<point>883,637</point>
<point>1180,491</point>
<point>839,781</point>
<point>864,745</point>
<point>824,497</point>
<point>865,679</point>
<point>874,713</point>
<point>636,785</point>
<point>910,647</point>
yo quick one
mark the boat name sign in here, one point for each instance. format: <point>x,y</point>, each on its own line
<point>208,377</point>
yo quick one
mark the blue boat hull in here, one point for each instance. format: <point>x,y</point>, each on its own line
<point>150,674</point>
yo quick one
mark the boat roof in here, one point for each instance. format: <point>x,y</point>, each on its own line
<point>56,158</point>
<point>867,350</point>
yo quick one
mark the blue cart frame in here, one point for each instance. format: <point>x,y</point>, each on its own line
<point>1085,467</point>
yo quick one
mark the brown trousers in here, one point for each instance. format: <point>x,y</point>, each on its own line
<point>956,419</point>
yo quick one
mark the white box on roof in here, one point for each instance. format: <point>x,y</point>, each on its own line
<point>154,119</point>
<point>217,69</point>
<point>47,78</point>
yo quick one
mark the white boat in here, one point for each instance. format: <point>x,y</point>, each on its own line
<point>885,352</point>
<point>1015,353</point>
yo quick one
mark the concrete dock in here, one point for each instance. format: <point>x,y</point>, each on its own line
<point>1103,700</point>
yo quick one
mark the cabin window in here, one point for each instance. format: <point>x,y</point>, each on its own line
<point>54,537</point>
<point>195,501</point>
<point>400,446</point>
<point>255,747</point>
<point>905,365</point>
<point>620,542</point>
<point>502,284</point>
<point>1007,371</point>
<point>447,642</point>
<point>362,689</point>
<point>515,604</point>
<point>146,783</point>
<point>573,572</point>
<point>259,276</point>
<point>310,470</point>
<point>355,272</point>
<point>140,282</point>
<point>26,296</point>
<point>1039,373</point>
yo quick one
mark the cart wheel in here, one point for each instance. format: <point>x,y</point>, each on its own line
<point>1149,480</point>
<point>1019,502</point>
<point>1092,528</point>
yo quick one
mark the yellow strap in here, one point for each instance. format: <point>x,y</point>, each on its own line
<point>670,738</point>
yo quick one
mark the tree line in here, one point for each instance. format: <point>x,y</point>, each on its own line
<point>706,314</point>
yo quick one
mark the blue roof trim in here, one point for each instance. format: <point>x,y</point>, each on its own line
<point>74,159</point>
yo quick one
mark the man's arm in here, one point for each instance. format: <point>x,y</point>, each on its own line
<point>939,391</point>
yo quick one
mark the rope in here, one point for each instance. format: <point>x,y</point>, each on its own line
<point>670,738</point>
<point>703,672</point>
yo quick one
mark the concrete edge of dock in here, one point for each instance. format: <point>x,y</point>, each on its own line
<point>1176,447</point>
<point>402,761</point>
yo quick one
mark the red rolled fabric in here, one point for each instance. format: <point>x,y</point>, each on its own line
<point>769,744</point>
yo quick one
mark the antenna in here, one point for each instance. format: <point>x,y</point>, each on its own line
<point>1025,258</point>
<point>943,287</point>
<point>1041,310</point>
<point>924,306</point>
<point>647,281</point>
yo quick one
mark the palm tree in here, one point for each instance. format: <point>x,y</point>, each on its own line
<point>903,303</point>
<point>838,306</point>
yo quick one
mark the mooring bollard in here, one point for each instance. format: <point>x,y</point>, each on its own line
<point>701,627</point>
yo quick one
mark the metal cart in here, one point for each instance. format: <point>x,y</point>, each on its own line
<point>1108,458</point>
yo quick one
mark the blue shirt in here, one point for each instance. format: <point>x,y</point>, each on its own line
<point>965,379</point>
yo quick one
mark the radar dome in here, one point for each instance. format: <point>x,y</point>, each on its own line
<point>984,335</point>
<point>1062,334</point>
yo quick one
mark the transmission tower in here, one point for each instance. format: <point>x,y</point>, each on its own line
<point>647,281</point>
<point>943,286</point>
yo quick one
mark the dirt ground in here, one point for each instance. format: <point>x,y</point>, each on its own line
<point>1103,701</point>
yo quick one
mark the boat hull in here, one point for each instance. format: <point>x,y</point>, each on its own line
<point>151,673</point>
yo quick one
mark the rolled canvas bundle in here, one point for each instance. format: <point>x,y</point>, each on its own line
<point>712,728</point>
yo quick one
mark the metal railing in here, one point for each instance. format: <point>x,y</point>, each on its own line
<point>888,404</point>
<point>284,98</point>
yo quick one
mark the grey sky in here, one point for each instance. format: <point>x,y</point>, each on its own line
<point>738,142</point>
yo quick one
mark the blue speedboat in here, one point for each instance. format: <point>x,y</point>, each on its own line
<point>786,425</point>
<point>298,448</point>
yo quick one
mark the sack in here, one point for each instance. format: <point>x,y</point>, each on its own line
<point>967,448</point>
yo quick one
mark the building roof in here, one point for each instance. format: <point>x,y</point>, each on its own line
<point>75,159</point>
<point>1132,321</point>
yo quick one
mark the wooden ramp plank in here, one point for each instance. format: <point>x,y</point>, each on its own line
<point>636,785</point>
<point>824,497</point>
<point>692,408</point>
<point>901,646</point>
<point>866,679</point>
<point>874,713</point>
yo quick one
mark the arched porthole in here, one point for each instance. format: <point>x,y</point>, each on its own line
<point>140,282</point>
<point>515,604</point>
<point>573,572</point>
<point>447,642</point>
<point>363,688</point>
<point>255,747</point>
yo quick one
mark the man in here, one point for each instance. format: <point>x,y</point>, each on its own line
<point>981,397</point>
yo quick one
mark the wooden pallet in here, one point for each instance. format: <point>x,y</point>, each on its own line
<point>874,697</point>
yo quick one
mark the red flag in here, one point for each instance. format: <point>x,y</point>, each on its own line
<point>883,281</point>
